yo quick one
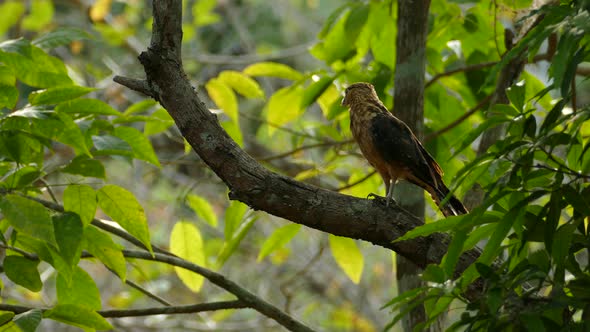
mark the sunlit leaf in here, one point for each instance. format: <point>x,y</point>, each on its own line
<point>141,145</point>
<point>273,69</point>
<point>40,16</point>
<point>278,239</point>
<point>101,246</point>
<point>224,97</point>
<point>78,316</point>
<point>123,207</point>
<point>58,94</point>
<point>241,83</point>
<point>11,12</point>
<point>284,106</point>
<point>29,217</point>
<point>81,290</point>
<point>348,256</point>
<point>202,208</point>
<point>186,242</point>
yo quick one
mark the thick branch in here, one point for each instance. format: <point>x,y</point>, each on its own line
<point>262,189</point>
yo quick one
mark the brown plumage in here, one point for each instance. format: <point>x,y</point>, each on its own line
<point>392,149</point>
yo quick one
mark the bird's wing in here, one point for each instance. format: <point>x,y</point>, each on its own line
<point>396,143</point>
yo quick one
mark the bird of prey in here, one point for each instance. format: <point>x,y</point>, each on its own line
<point>393,150</point>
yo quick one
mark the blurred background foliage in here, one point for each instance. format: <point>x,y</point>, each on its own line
<point>273,71</point>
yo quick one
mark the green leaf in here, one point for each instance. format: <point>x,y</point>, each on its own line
<point>78,316</point>
<point>453,252</point>
<point>284,106</point>
<point>124,208</point>
<point>23,271</point>
<point>234,131</point>
<point>140,107</point>
<point>230,246</point>
<point>278,239</point>
<point>141,145</point>
<point>516,94</point>
<point>273,69</point>
<point>40,15</point>
<point>28,217</point>
<point>84,106</point>
<point>202,208</point>
<point>68,234</point>
<point>109,145</point>
<point>80,199</point>
<point>58,94</point>
<point>562,242</point>
<point>29,321</point>
<point>32,65</point>
<point>160,121</point>
<point>5,317</point>
<point>101,246</point>
<point>186,243</point>
<point>234,214</point>
<point>434,273</point>
<point>60,37</point>
<point>223,97</point>
<point>443,225</point>
<point>315,90</point>
<point>8,96</point>
<point>347,256</point>
<point>332,47</point>
<point>10,14</point>
<point>81,290</point>
<point>82,165</point>
<point>241,83</point>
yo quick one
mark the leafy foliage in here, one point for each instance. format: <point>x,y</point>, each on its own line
<point>532,225</point>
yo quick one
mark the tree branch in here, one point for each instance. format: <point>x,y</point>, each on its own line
<point>262,189</point>
<point>460,119</point>
<point>248,299</point>
<point>181,309</point>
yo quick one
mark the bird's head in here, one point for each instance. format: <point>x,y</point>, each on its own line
<point>359,92</point>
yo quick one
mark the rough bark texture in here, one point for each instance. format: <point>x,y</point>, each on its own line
<point>256,186</point>
<point>410,65</point>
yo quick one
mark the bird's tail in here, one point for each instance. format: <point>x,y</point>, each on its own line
<point>453,206</point>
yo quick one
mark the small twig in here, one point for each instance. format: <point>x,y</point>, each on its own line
<point>278,127</point>
<point>285,285</point>
<point>25,254</point>
<point>216,59</point>
<point>460,119</point>
<point>249,299</point>
<point>359,181</point>
<point>141,289</point>
<point>460,70</point>
<point>183,309</point>
<point>135,85</point>
<point>305,147</point>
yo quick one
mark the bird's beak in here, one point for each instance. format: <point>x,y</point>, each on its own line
<point>344,101</point>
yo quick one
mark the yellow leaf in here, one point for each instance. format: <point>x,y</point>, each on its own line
<point>224,97</point>
<point>99,10</point>
<point>348,256</point>
<point>186,243</point>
